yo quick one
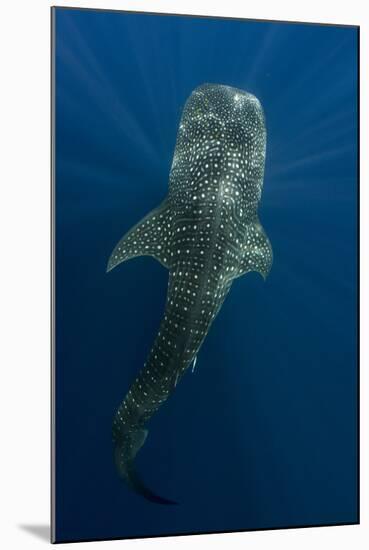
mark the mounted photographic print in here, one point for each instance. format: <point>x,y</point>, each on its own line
<point>205,275</point>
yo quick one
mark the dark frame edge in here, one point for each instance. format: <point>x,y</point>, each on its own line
<point>52,283</point>
<point>358,277</point>
<point>202,16</point>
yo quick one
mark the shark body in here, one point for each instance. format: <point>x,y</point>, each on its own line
<point>207,233</point>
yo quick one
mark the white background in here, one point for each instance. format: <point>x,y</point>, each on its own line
<point>25,261</point>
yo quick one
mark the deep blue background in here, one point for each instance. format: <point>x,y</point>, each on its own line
<point>263,434</point>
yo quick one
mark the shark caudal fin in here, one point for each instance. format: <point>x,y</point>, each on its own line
<point>137,485</point>
<point>124,453</point>
<point>150,237</point>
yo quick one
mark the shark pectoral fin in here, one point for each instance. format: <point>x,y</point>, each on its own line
<point>150,237</point>
<point>258,253</point>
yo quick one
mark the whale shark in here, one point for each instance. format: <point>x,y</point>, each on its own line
<point>206,233</point>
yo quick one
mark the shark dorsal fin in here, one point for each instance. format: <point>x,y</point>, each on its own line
<point>258,254</point>
<point>150,237</point>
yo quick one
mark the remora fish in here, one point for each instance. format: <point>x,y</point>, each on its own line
<point>207,233</point>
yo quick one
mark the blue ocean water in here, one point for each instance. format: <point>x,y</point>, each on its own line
<point>264,433</point>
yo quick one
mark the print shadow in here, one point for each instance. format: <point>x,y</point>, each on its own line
<point>40,531</point>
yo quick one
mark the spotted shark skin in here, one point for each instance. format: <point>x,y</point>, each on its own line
<point>207,233</point>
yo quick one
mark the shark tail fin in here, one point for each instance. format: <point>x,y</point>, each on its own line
<point>124,453</point>
<point>138,486</point>
<point>149,237</point>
